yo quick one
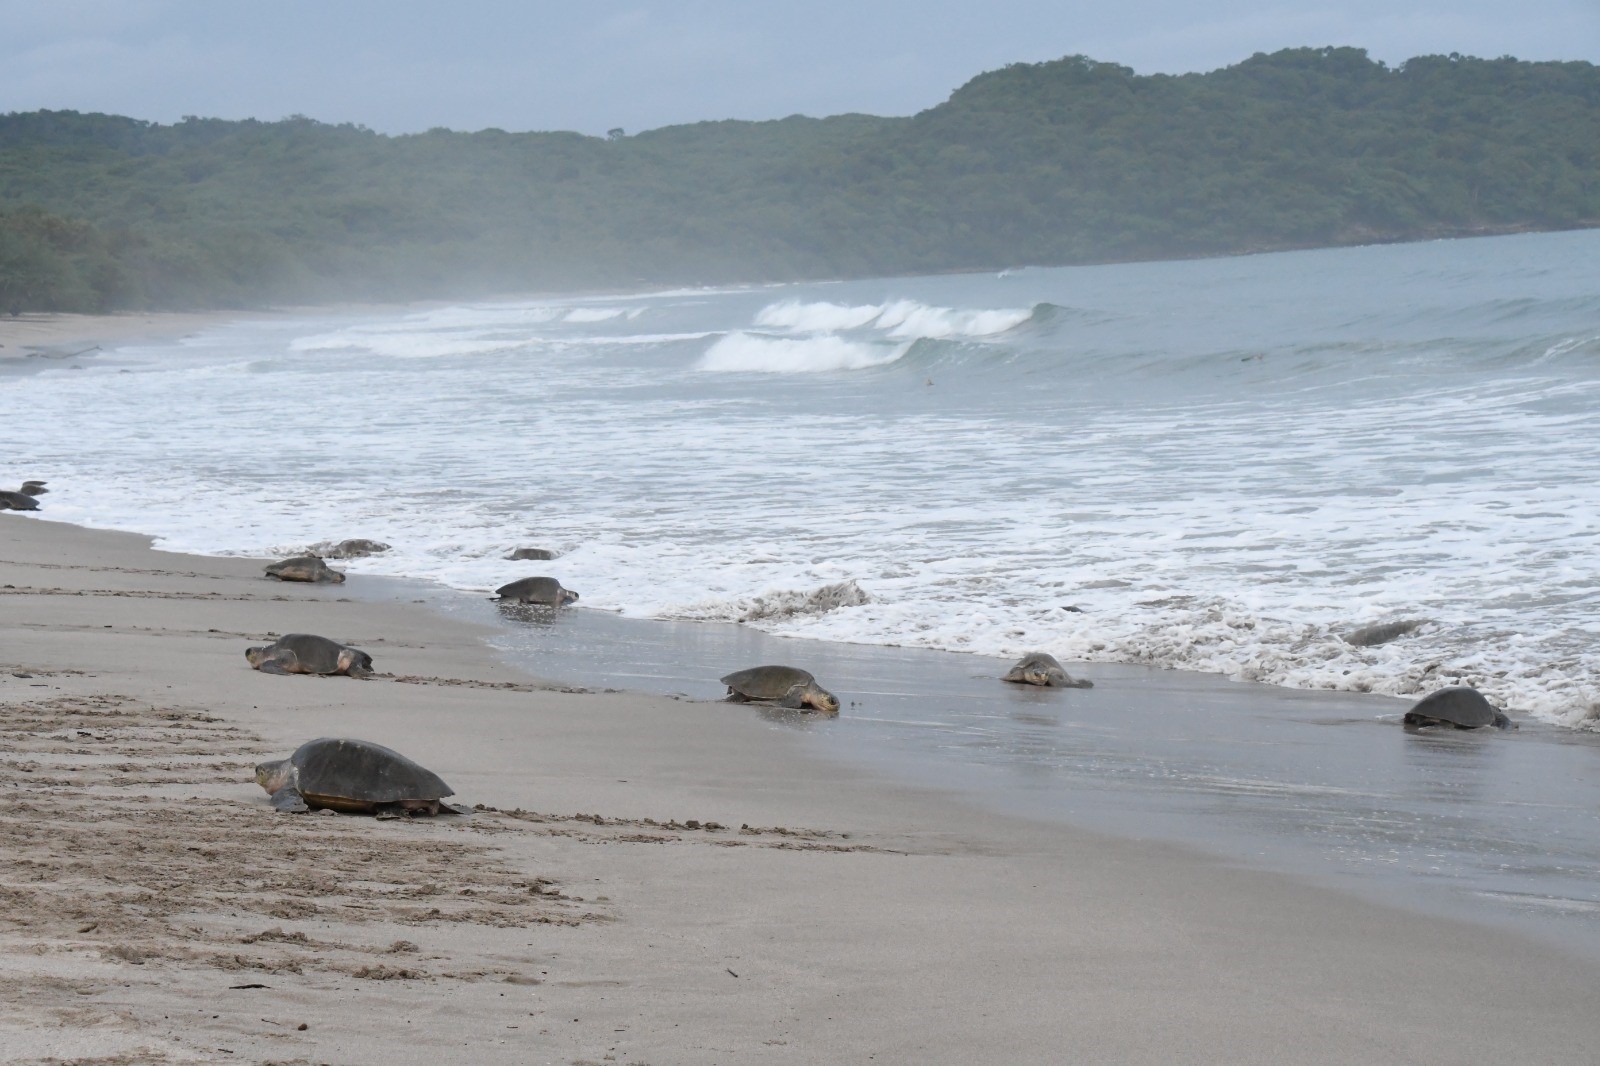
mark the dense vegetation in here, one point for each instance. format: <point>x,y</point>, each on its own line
<point>1061,162</point>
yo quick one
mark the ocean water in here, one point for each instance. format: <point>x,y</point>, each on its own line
<point>1216,465</point>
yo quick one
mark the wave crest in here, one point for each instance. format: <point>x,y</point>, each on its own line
<point>757,353</point>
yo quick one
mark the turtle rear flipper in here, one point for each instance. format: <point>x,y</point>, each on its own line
<point>289,801</point>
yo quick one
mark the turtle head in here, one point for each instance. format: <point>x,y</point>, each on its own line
<point>568,596</point>
<point>820,699</point>
<point>275,774</point>
<point>255,655</point>
<point>1029,674</point>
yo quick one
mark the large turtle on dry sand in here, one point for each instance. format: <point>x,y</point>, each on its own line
<point>787,686</point>
<point>1461,706</point>
<point>17,501</point>
<point>307,653</point>
<point>544,591</point>
<point>305,568</point>
<point>1038,668</point>
<point>354,775</point>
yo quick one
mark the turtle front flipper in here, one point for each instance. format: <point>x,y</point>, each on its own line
<point>289,801</point>
<point>387,811</point>
<point>455,808</point>
<point>281,661</point>
<point>1502,722</point>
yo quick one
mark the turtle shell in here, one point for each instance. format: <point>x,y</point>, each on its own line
<point>1461,706</point>
<point>362,771</point>
<point>304,568</point>
<point>545,590</point>
<point>1039,658</point>
<point>767,682</point>
<point>318,654</point>
<point>17,501</point>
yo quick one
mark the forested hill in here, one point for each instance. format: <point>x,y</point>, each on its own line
<point>1062,162</point>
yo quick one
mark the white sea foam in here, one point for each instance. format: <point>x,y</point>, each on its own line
<point>903,319</point>
<point>754,353</point>
<point>818,317</point>
<point>1203,511</point>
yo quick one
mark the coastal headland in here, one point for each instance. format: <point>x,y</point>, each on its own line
<point>646,880</point>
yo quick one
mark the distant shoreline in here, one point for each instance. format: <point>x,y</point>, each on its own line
<point>44,338</point>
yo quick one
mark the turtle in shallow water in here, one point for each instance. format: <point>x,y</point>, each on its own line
<point>519,554</point>
<point>354,548</point>
<point>33,488</point>
<point>1372,636</point>
<point>17,501</point>
<point>307,653</point>
<point>305,568</point>
<point>787,686</point>
<point>544,591</point>
<point>1039,668</point>
<point>353,775</point>
<point>1461,706</point>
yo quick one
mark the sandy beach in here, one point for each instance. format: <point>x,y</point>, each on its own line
<point>647,881</point>
<point>40,340</point>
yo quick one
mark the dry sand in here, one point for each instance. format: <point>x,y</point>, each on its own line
<point>650,881</point>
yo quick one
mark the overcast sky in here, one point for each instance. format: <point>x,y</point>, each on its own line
<point>406,65</point>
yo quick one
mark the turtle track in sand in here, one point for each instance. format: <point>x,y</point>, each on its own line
<point>153,904</point>
<point>132,856</point>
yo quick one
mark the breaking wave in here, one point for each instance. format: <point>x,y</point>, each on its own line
<point>757,353</point>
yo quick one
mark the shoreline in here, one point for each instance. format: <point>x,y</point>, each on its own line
<point>854,917</point>
<point>37,340</point>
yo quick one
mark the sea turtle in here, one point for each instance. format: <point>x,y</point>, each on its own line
<point>1038,668</point>
<point>353,775</point>
<point>787,686</point>
<point>1461,706</point>
<point>354,548</point>
<point>305,568</point>
<point>17,501</point>
<point>519,554</point>
<point>306,653</point>
<point>1372,636</point>
<point>33,488</point>
<point>544,591</point>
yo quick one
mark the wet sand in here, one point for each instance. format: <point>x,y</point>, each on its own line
<point>37,340</point>
<point>651,880</point>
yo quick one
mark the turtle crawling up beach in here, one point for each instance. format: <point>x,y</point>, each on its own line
<point>787,686</point>
<point>543,591</point>
<point>1038,668</point>
<point>305,568</point>
<point>17,501</point>
<point>357,776</point>
<point>1461,706</point>
<point>307,653</point>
